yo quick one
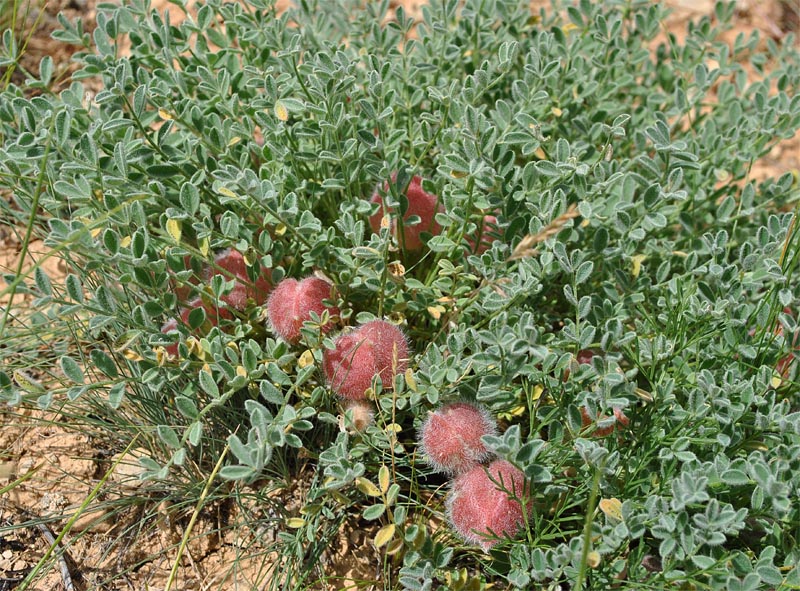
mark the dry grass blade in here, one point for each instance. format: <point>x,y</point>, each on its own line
<point>526,249</point>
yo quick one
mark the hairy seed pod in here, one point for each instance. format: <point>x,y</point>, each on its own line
<point>488,503</point>
<point>377,348</point>
<point>450,438</point>
<point>291,303</point>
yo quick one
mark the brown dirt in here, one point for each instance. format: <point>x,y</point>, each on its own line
<point>103,552</point>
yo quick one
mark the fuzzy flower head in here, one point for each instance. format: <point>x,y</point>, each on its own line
<point>450,438</point>
<point>488,503</point>
<point>420,203</point>
<point>377,348</point>
<point>357,416</point>
<point>234,267</point>
<point>292,302</point>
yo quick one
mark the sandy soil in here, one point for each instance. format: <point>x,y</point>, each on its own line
<point>64,466</point>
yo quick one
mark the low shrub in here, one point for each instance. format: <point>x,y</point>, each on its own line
<point>615,163</point>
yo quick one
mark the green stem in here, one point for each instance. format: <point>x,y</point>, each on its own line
<point>587,529</point>
<point>185,539</point>
<point>28,231</point>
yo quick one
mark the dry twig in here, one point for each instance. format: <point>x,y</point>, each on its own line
<point>62,561</point>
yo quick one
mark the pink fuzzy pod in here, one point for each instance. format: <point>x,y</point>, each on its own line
<point>292,302</point>
<point>234,266</point>
<point>480,510</point>
<point>489,232</point>
<point>362,413</point>
<point>450,438</point>
<point>420,203</point>
<point>377,348</point>
<point>620,422</point>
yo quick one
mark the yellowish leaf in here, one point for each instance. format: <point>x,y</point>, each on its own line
<point>518,410</point>
<point>643,394</point>
<point>194,347</point>
<point>125,242</point>
<point>538,390</point>
<point>394,427</point>
<point>436,311</point>
<point>161,356</point>
<point>27,383</point>
<point>306,359</point>
<point>234,140</point>
<point>337,496</point>
<point>384,478</point>
<point>394,546</point>
<point>612,508</point>
<point>241,371</point>
<point>311,509</point>
<point>556,111</point>
<point>227,192</point>
<point>164,114</point>
<point>776,381</point>
<point>204,245</point>
<point>366,487</point>
<point>281,112</point>
<point>411,382</point>
<point>593,559</point>
<point>280,229</point>
<point>132,355</point>
<point>755,445</point>
<point>384,535</point>
<point>636,262</point>
<point>174,229</point>
<point>295,522</point>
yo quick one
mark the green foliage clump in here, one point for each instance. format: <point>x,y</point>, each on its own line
<point>616,163</point>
